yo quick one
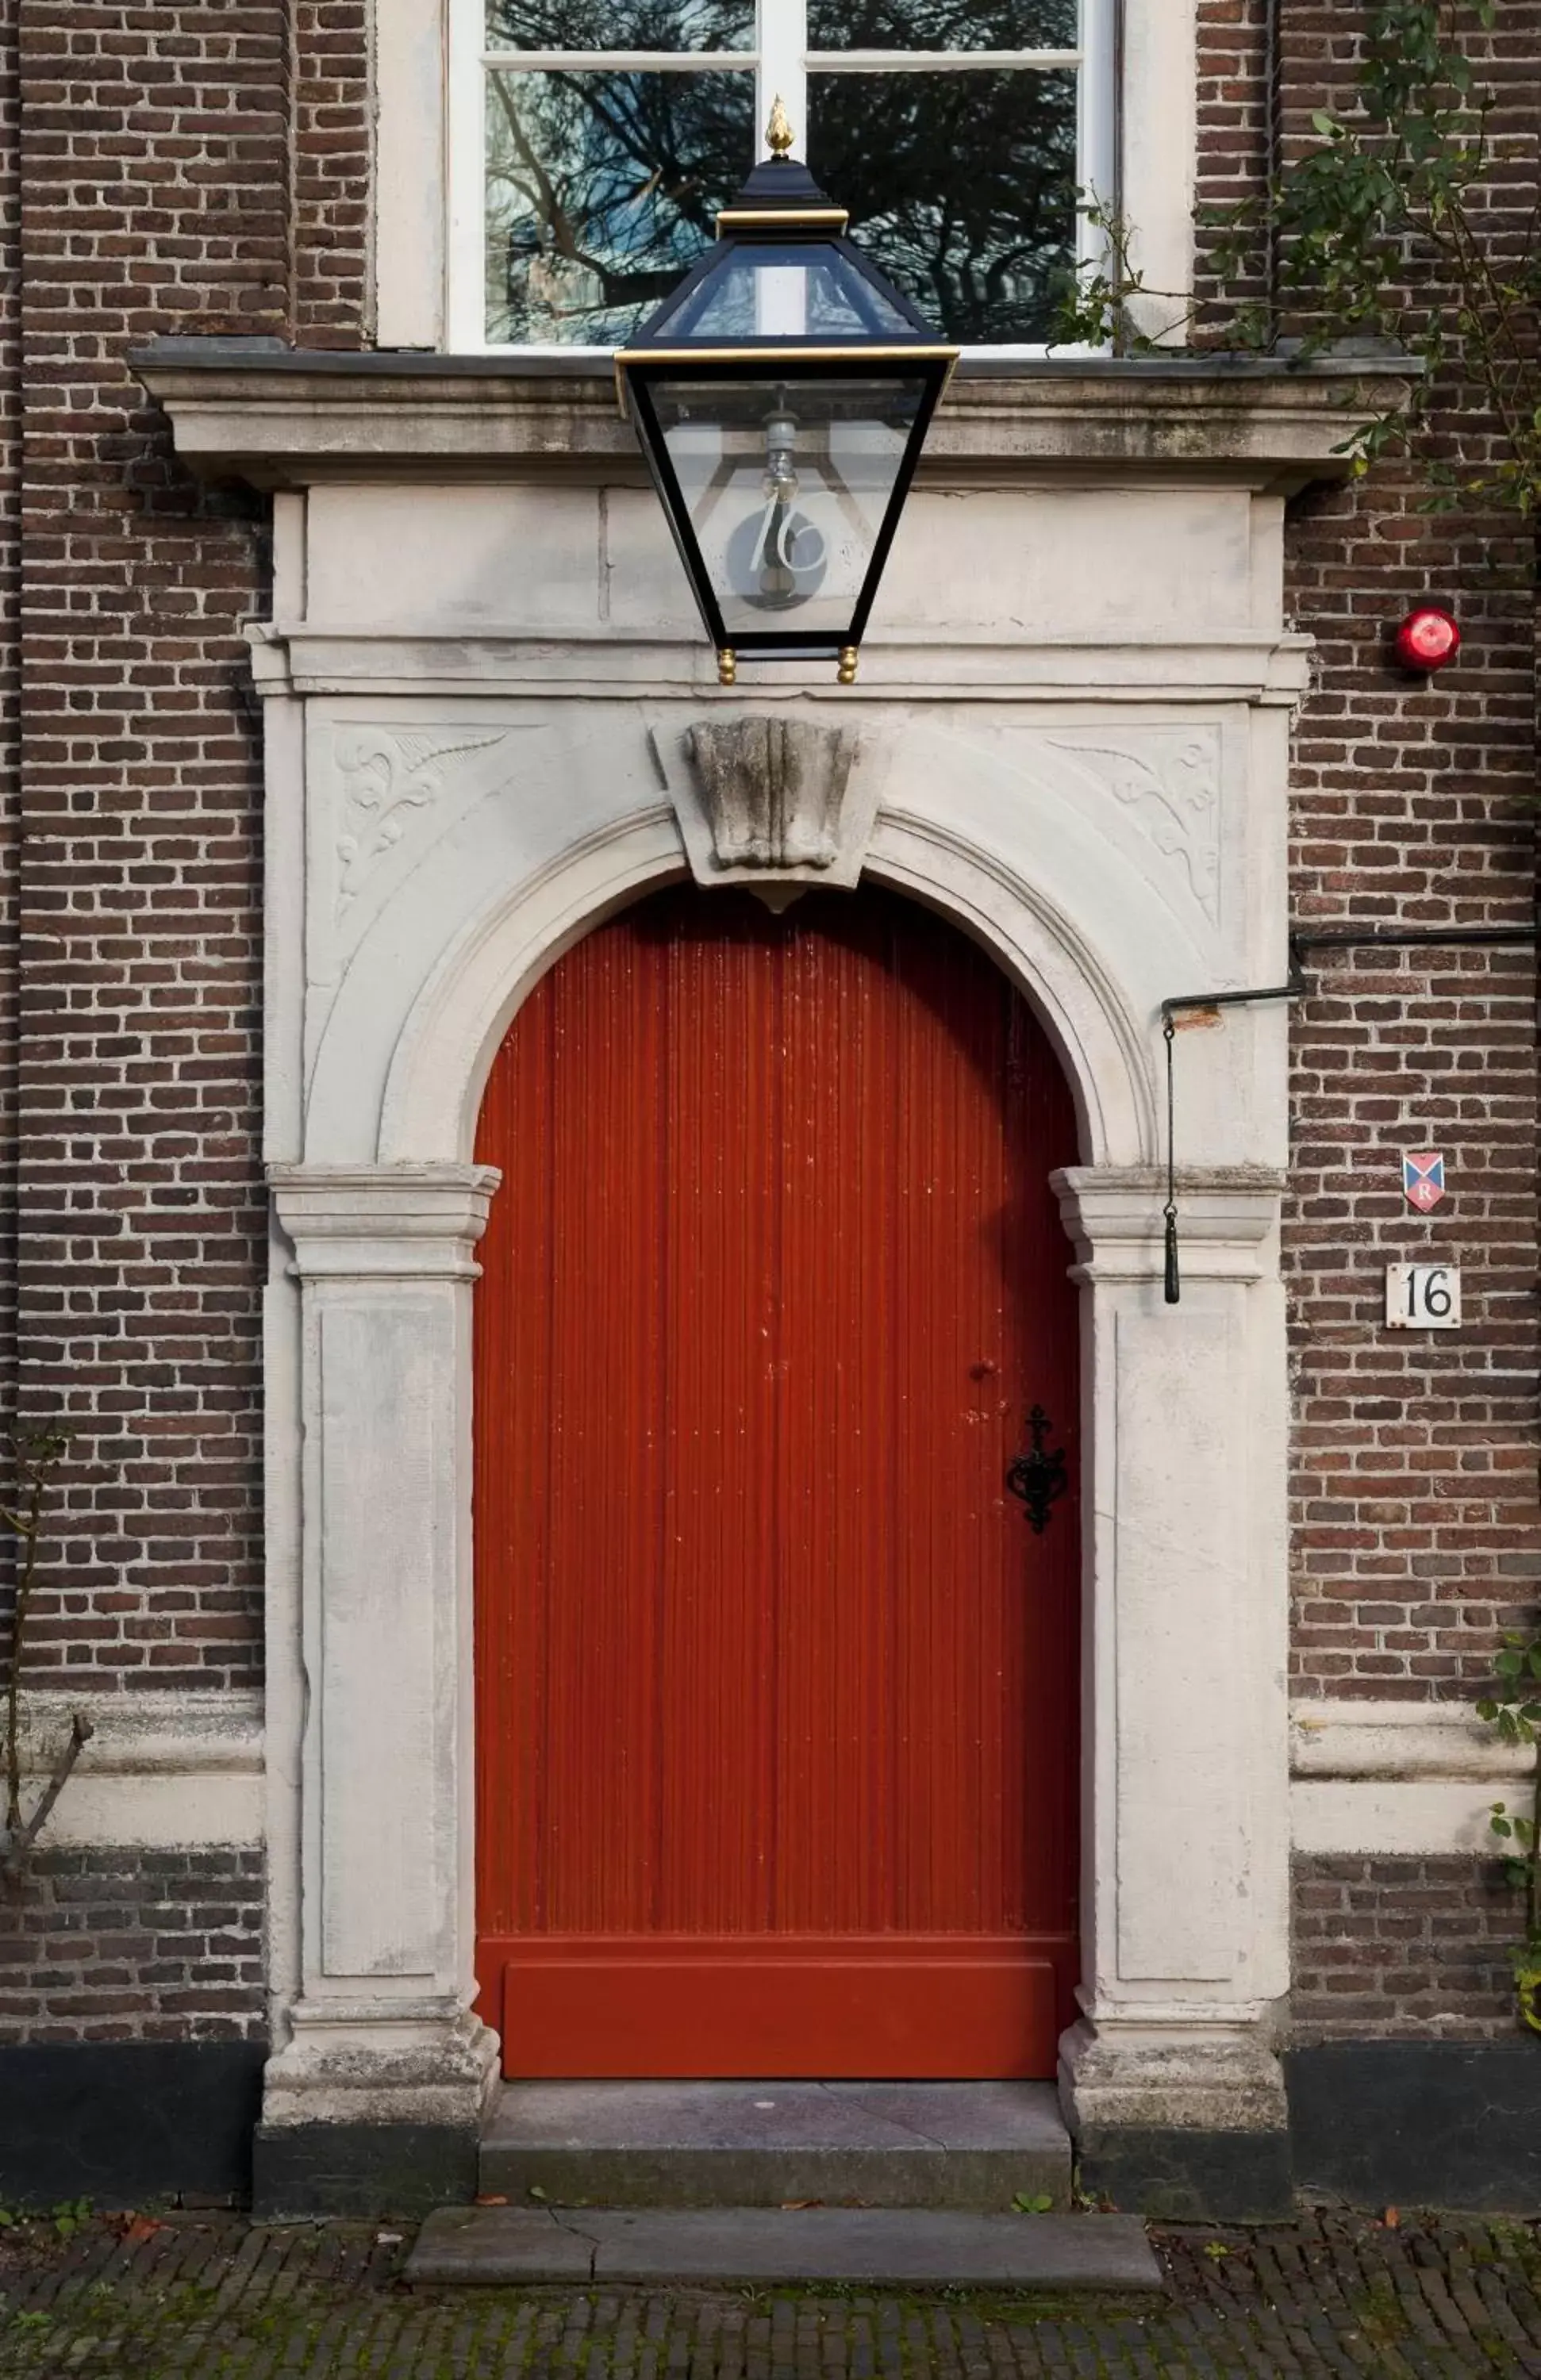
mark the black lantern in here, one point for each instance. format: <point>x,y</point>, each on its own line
<point>781,395</point>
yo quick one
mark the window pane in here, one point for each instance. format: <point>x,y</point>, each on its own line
<point>601,188</point>
<point>961,186</point>
<point>942,24</point>
<point>631,24</point>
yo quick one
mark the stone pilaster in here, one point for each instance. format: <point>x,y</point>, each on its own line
<point>1170,2081</point>
<point>375,2099</point>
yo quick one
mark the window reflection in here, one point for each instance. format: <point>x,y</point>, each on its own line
<point>942,24</point>
<point>632,25</point>
<point>961,186</point>
<point>602,189</point>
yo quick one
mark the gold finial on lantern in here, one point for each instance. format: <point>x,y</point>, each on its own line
<point>779,135</point>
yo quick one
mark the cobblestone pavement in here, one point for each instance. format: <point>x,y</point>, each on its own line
<point>211,2296</point>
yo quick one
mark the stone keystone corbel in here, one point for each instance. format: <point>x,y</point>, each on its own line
<point>771,802</point>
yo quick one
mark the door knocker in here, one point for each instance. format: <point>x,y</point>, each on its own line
<point>1040,1476</point>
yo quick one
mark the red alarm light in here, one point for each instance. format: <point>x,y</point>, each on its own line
<point>1427,638</point>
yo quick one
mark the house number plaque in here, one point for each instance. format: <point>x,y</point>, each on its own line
<point>1422,1297</point>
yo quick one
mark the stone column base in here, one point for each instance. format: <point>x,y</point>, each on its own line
<point>367,2114</point>
<point>1186,2122</point>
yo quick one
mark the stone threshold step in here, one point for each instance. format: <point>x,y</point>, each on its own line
<point>885,2247</point>
<point>675,2145</point>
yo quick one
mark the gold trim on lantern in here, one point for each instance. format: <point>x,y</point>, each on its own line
<point>787,357</point>
<point>769,218</point>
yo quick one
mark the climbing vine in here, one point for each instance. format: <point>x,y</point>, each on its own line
<point>1513,1706</point>
<point>37,1455</point>
<point>1405,224</point>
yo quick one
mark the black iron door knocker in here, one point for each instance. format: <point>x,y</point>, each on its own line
<point>1040,1476</point>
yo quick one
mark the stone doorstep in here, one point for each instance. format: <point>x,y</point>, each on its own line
<point>885,2247</point>
<point>655,2145</point>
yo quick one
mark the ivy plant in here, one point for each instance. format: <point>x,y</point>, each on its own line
<point>1402,226</point>
<point>1513,1706</point>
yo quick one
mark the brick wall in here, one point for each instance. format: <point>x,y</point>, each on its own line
<point>172,163</point>
<point>1402,1948</point>
<point>1414,1537</point>
<point>1414,1517</point>
<point>333,297</point>
<point>10,559</point>
<point>205,168</point>
<point>134,1946</point>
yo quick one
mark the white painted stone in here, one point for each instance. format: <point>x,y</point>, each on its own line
<point>477,556</point>
<point>161,1770</point>
<point>1420,1819</point>
<point>1037,568</point>
<point>1176,1654</point>
<point>385,1265</point>
<point>1401,1779</point>
<point>1175,2075</point>
<point>383,1424</point>
<point>1186,1850</point>
<point>1159,126</point>
<point>1411,1742</point>
<point>769,799</point>
<point>410,197</point>
<point>1098,796</point>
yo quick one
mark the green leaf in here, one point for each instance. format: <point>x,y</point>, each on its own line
<point>1328,125</point>
<point>1500,1827</point>
<point>1039,2203</point>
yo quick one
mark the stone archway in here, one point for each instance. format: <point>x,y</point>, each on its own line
<point>1185,1843</point>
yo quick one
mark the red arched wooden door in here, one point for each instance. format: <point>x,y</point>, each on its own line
<point>776,1686</point>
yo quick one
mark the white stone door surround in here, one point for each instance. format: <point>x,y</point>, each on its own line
<point>1073,720</point>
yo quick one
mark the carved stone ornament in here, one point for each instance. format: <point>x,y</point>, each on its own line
<point>1169,781</point>
<point>772,801</point>
<point>387,774</point>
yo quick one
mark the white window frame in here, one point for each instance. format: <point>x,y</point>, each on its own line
<point>781,62</point>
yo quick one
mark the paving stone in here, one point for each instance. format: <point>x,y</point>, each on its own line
<point>898,2246</point>
<point>1332,2295</point>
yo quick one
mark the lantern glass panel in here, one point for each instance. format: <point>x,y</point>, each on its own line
<point>786,483</point>
<point>807,291</point>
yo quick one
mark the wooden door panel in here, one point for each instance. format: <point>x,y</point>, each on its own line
<point>878,2006</point>
<point>765,1655</point>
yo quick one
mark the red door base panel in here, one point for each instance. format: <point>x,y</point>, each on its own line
<point>866,2008</point>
